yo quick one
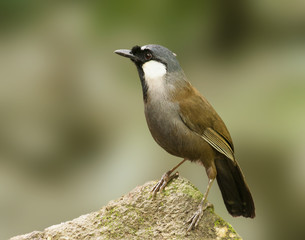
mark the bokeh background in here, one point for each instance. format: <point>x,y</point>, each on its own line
<point>72,130</point>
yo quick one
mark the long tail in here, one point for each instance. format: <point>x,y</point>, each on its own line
<point>234,189</point>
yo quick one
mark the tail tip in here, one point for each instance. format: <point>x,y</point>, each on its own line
<point>244,210</point>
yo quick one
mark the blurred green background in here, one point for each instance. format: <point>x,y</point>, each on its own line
<point>72,130</point>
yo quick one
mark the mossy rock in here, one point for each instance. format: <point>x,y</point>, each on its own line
<point>138,215</point>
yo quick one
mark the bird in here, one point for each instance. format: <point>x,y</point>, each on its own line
<point>186,125</point>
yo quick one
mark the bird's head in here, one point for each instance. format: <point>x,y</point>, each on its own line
<point>158,68</point>
<point>152,57</point>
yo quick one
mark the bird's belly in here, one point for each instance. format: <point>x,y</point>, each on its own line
<point>173,135</point>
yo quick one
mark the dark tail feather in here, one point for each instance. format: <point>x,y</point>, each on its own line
<point>235,191</point>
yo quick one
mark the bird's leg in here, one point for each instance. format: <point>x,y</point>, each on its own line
<point>194,220</point>
<point>167,177</point>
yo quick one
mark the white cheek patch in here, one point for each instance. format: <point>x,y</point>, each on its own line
<point>153,69</point>
<point>154,73</point>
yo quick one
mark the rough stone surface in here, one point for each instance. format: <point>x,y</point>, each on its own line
<point>139,216</point>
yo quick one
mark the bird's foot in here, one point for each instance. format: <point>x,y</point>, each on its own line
<point>165,179</point>
<point>195,219</point>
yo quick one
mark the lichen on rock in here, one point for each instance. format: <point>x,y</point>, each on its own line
<point>138,215</point>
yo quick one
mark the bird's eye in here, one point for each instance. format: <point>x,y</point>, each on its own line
<point>148,56</point>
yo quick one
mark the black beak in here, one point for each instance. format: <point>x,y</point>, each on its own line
<point>126,53</point>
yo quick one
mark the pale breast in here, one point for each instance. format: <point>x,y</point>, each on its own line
<point>171,133</point>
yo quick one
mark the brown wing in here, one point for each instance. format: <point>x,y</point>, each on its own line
<point>199,116</point>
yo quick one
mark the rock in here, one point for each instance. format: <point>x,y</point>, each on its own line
<point>137,215</point>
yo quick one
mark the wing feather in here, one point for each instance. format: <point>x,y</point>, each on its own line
<point>200,117</point>
<point>218,142</point>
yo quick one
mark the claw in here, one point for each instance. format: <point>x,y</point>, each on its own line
<point>161,184</point>
<point>195,219</point>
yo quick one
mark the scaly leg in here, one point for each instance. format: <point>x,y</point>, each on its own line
<point>194,220</point>
<point>167,177</point>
